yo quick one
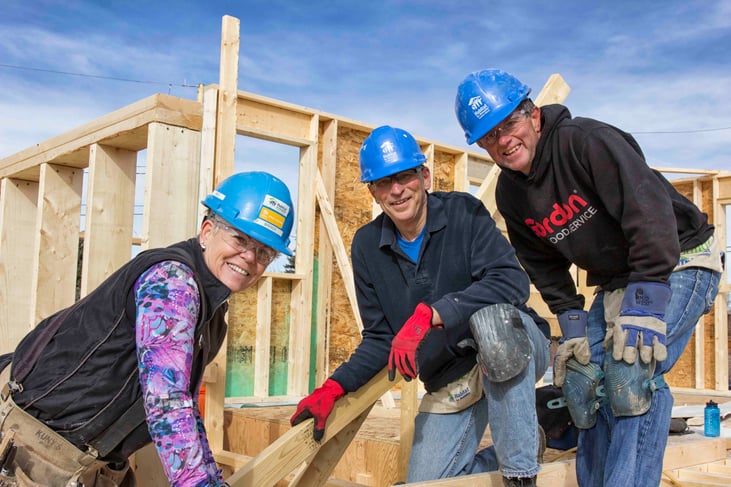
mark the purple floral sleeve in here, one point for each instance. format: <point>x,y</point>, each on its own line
<point>168,302</point>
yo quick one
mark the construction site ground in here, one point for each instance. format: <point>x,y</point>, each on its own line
<point>371,460</point>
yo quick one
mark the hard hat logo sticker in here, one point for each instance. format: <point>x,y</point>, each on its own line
<point>389,151</point>
<point>276,205</point>
<point>478,106</point>
<point>273,214</point>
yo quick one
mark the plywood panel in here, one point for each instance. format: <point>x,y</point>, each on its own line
<point>353,208</point>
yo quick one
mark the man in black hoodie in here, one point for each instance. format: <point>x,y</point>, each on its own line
<point>578,191</point>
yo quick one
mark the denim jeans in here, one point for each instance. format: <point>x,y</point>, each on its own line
<point>445,445</point>
<point>628,451</point>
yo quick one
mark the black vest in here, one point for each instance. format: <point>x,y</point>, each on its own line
<point>78,368</point>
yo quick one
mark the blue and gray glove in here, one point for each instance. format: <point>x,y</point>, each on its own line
<point>641,323</point>
<point>574,343</point>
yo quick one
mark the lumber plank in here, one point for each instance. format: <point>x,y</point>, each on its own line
<point>685,474</point>
<point>409,401</point>
<point>297,445</point>
<point>256,116</point>
<point>320,467</point>
<point>556,90</point>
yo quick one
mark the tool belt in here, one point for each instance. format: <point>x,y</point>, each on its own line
<point>46,459</point>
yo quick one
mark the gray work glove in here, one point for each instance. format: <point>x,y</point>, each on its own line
<point>574,343</point>
<point>640,326</point>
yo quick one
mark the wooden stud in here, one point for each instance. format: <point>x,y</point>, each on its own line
<point>109,213</point>
<point>263,336</point>
<point>18,207</point>
<point>720,332</point>
<point>301,309</point>
<point>57,240</point>
<point>172,175</point>
<point>208,147</point>
<point>223,167</point>
<point>328,167</point>
<point>227,99</point>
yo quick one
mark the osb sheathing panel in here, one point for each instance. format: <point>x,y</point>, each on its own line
<point>443,172</point>
<point>353,208</point>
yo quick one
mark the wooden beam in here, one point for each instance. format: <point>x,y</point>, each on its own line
<point>258,116</point>
<point>297,445</point>
<point>409,408</point>
<point>555,90</point>
<point>125,128</point>
<point>320,467</point>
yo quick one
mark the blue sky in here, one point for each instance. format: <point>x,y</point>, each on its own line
<point>660,70</point>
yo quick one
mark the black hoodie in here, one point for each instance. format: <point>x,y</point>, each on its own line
<point>592,200</point>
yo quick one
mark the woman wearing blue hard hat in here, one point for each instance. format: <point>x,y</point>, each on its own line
<point>577,191</point>
<point>122,367</point>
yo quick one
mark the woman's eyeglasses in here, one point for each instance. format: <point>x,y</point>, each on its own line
<point>243,243</point>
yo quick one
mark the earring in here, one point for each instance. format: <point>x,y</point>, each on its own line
<point>203,246</point>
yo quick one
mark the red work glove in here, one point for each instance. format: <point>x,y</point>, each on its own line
<point>406,341</point>
<point>318,405</point>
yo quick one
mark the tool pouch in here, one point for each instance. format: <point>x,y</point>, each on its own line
<point>46,459</point>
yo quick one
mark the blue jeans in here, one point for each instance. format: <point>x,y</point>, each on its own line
<point>445,445</point>
<point>628,451</point>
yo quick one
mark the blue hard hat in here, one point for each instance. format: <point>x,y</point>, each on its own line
<point>386,151</point>
<point>486,98</point>
<point>257,204</point>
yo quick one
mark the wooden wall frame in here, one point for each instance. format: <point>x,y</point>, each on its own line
<point>191,147</point>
